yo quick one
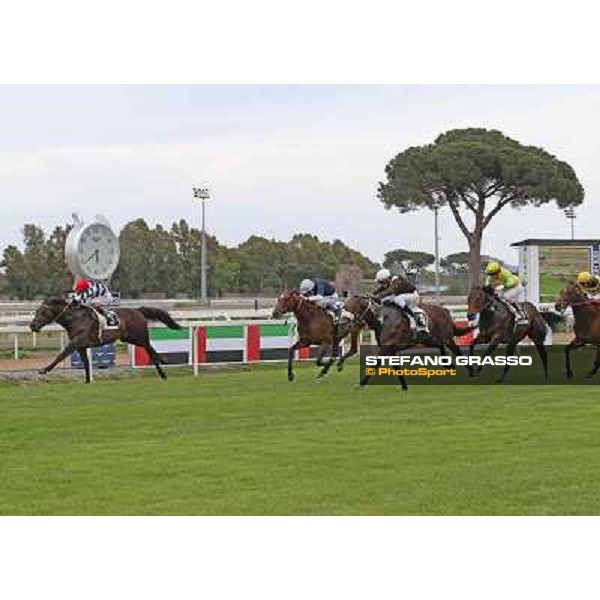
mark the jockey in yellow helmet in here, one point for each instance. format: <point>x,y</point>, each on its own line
<point>506,284</point>
<point>590,283</point>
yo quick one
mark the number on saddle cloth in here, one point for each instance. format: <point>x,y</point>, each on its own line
<point>112,318</point>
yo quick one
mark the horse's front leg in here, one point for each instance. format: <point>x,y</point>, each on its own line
<point>301,343</point>
<point>353,347</point>
<point>488,351</point>
<point>474,342</point>
<point>67,351</point>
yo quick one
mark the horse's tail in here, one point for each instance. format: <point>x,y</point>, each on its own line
<point>156,314</point>
<point>552,317</point>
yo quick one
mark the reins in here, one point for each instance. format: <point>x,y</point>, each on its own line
<point>61,313</point>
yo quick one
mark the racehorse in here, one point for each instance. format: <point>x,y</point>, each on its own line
<point>315,327</point>
<point>587,323</point>
<point>397,335</point>
<point>365,311</point>
<point>497,326</point>
<point>82,327</point>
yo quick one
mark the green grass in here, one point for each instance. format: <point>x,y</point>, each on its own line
<point>251,443</point>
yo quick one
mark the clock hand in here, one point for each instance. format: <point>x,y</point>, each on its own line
<point>90,258</point>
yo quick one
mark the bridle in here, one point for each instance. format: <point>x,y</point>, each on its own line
<point>359,317</point>
<point>61,313</point>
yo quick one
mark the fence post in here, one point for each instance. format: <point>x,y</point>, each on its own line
<point>16,346</point>
<point>91,361</point>
<point>195,350</point>
<point>62,347</point>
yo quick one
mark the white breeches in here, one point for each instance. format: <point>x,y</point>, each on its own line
<point>513,295</point>
<point>409,299</point>
<point>327,302</point>
<point>105,301</point>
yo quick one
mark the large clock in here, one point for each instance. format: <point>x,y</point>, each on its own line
<point>92,249</point>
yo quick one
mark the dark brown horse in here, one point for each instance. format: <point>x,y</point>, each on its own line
<point>497,325</point>
<point>397,335</point>
<point>82,327</point>
<point>366,316</point>
<point>316,327</point>
<point>587,323</point>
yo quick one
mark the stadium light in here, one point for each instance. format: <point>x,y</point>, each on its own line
<point>570,214</point>
<point>436,208</point>
<point>202,193</point>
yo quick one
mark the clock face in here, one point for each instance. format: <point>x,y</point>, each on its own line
<point>98,251</point>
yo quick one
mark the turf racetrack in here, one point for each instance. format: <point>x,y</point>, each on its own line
<point>251,443</point>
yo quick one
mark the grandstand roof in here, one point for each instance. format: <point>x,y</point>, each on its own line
<point>556,242</point>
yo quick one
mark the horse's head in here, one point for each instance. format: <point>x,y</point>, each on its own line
<point>480,297</point>
<point>571,293</point>
<point>362,309</point>
<point>47,312</point>
<point>287,301</point>
<point>356,304</point>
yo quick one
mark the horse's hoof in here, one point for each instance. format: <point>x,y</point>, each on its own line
<point>340,367</point>
<point>589,375</point>
<point>42,372</point>
<point>291,377</point>
<point>569,375</point>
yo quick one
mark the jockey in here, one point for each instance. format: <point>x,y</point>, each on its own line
<point>506,285</point>
<point>97,296</point>
<point>401,292</point>
<point>321,292</point>
<point>590,284</point>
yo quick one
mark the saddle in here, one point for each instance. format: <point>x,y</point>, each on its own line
<point>517,310</point>
<point>111,316</point>
<point>412,321</point>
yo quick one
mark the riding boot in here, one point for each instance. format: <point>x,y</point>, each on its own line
<point>415,325</point>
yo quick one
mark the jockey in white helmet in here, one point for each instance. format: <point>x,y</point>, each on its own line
<point>402,293</point>
<point>323,294</point>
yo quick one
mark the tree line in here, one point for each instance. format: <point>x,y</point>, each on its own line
<point>159,260</point>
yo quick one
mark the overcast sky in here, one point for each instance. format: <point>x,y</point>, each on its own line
<point>281,159</point>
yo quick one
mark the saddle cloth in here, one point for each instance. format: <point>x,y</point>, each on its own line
<point>112,319</point>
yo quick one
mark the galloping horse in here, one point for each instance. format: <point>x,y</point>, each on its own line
<point>397,335</point>
<point>82,327</point>
<point>315,327</point>
<point>587,323</point>
<point>497,325</point>
<point>365,311</point>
